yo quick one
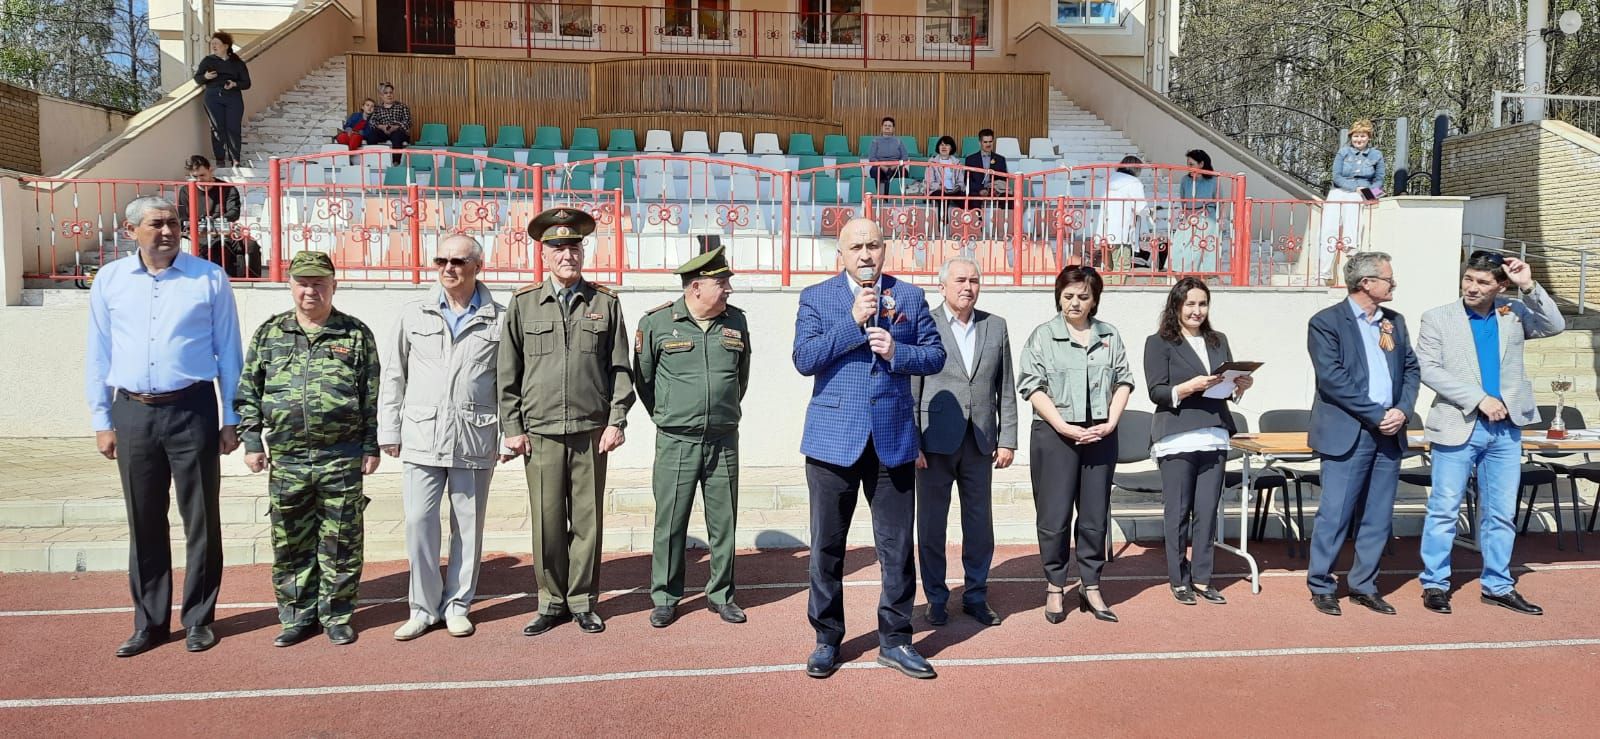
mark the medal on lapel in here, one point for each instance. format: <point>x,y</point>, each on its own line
<point>1386,339</point>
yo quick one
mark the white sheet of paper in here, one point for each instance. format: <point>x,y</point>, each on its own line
<point>1225,388</point>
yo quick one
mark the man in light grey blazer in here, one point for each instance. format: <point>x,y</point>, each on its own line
<point>967,418</point>
<point>1470,353</point>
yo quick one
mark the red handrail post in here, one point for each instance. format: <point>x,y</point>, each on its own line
<point>755,34</point>
<point>616,237</point>
<point>1018,182</point>
<point>972,42</point>
<point>413,198</point>
<point>786,271</point>
<point>866,39</point>
<point>527,28</point>
<point>275,221</point>
<point>411,14</point>
<point>191,193</point>
<point>1241,235</point>
<point>644,36</point>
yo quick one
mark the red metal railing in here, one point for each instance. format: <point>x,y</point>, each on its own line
<point>381,215</point>
<point>712,29</point>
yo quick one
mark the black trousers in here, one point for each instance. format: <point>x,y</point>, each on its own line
<point>397,138</point>
<point>160,447</point>
<point>227,127</point>
<point>1191,485</point>
<point>891,494</point>
<point>1068,477</point>
<point>972,472</point>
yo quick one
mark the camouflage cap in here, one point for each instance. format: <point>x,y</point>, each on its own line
<point>561,226</point>
<point>311,264</point>
<point>710,264</point>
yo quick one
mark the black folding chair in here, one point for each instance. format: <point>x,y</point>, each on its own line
<point>1555,464</point>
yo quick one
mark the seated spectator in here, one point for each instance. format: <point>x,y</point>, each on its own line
<point>219,208</point>
<point>889,149</point>
<point>943,178</point>
<point>984,184</point>
<point>353,132</point>
<point>1122,217</point>
<point>390,122</point>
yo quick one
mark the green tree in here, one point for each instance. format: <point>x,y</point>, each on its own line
<point>94,51</point>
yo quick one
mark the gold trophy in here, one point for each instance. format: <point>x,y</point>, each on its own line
<point>1561,385</point>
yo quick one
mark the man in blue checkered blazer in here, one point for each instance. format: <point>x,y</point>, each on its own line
<point>863,334</point>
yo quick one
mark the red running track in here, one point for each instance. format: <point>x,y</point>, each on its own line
<point>1261,664</point>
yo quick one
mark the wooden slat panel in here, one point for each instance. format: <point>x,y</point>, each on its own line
<point>862,98</point>
<point>768,88</point>
<point>653,85</point>
<point>438,89</point>
<point>513,92</point>
<point>1011,104</point>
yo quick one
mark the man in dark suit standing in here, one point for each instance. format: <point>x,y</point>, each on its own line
<point>1367,378</point>
<point>984,184</point>
<point>967,414</point>
<point>863,335</point>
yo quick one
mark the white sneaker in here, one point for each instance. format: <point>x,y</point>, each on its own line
<point>411,629</point>
<point>459,625</point>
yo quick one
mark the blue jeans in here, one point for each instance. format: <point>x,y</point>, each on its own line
<point>1495,451</point>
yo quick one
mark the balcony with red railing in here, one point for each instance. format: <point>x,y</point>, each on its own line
<point>711,29</point>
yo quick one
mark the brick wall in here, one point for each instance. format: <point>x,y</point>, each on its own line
<point>1550,175</point>
<point>19,129</point>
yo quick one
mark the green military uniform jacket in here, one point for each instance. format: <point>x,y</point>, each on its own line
<point>310,393</point>
<point>692,381</point>
<point>1080,380</point>
<point>563,374</point>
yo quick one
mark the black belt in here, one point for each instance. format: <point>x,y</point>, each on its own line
<point>161,398</point>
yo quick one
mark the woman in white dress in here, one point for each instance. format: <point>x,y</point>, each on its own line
<point>1358,175</point>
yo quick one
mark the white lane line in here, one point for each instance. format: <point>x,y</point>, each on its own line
<point>1574,567</point>
<point>605,677</point>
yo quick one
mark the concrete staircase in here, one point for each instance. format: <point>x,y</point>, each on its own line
<point>1081,137</point>
<point>300,121</point>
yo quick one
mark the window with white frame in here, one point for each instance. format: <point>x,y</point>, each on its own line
<point>836,22</point>
<point>958,22</point>
<point>563,18</point>
<point>705,20</point>
<point>1088,12</point>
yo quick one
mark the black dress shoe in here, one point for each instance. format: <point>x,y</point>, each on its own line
<point>1326,603</point>
<point>199,639</point>
<point>662,616</point>
<point>982,613</point>
<point>937,614</point>
<point>823,661</point>
<point>1210,595</point>
<point>905,659</point>
<point>142,641</point>
<point>1513,600</point>
<point>1436,600</point>
<point>1099,614</point>
<point>730,612</point>
<point>341,634</point>
<point>545,622</point>
<point>1183,595</point>
<point>590,622</point>
<point>1372,602</point>
<point>297,633</point>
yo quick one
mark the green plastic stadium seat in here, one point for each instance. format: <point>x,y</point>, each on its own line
<point>801,145</point>
<point>585,138</point>
<point>433,134</point>
<point>474,135</point>
<point>622,140</point>
<point>547,137</point>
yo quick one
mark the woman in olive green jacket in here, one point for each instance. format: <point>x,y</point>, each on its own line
<point>1075,374</point>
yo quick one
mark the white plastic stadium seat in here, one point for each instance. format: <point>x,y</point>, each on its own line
<point>694,142</point>
<point>657,140</point>
<point>1042,149</point>
<point>1008,147</point>
<point>766,143</point>
<point>730,142</point>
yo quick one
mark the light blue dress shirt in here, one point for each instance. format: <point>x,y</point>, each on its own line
<point>453,320</point>
<point>1380,386</point>
<point>161,333</point>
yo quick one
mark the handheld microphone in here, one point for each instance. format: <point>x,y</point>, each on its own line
<point>866,276</point>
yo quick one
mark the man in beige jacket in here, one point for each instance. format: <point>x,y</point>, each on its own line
<point>438,413</point>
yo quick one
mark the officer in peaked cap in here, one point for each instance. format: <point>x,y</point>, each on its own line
<point>563,376</point>
<point>691,369</point>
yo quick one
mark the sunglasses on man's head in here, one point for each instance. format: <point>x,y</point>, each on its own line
<point>1492,257</point>
<point>452,261</point>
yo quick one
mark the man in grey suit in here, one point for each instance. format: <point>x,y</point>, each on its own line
<point>967,417</point>
<point>1470,352</point>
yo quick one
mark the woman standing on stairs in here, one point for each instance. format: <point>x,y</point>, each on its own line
<point>225,77</point>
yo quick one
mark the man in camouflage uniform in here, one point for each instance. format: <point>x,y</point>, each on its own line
<point>692,367</point>
<point>310,384</point>
<point>564,397</point>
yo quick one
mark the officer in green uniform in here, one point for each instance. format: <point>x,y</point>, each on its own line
<point>310,385</point>
<point>565,392</point>
<point>692,367</point>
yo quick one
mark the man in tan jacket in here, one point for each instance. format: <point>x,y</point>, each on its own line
<point>438,412</point>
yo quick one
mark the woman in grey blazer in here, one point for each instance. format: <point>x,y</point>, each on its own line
<point>1190,432</point>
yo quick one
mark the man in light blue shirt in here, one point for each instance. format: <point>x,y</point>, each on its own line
<point>163,329</point>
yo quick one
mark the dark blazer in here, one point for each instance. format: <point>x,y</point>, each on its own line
<point>233,68</point>
<point>1168,364</point>
<point>1341,407</point>
<point>951,400</point>
<point>217,199</point>
<point>975,180</point>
